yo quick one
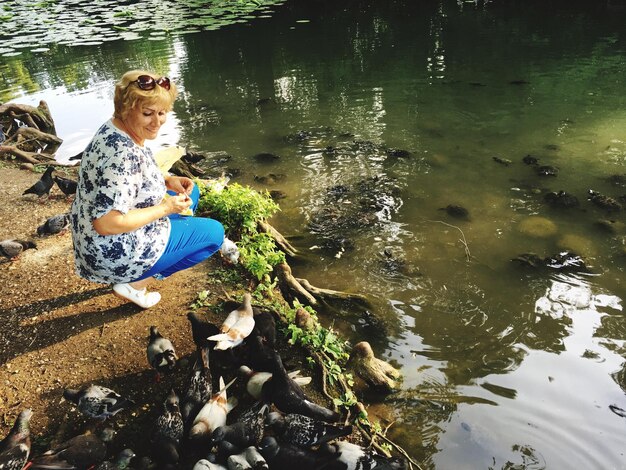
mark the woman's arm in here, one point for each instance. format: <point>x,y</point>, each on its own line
<point>114,222</point>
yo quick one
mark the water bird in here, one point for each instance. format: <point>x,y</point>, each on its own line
<point>161,354</point>
<point>43,186</point>
<point>303,431</point>
<point>12,249</point>
<point>355,457</point>
<point>377,373</point>
<point>246,431</point>
<point>213,413</point>
<point>237,326</point>
<point>66,185</point>
<point>80,452</point>
<point>200,388</point>
<point>285,456</point>
<point>56,224</point>
<point>168,432</point>
<point>264,327</point>
<point>15,447</point>
<point>97,401</point>
<point>121,462</point>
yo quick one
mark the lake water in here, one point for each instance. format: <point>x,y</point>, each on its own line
<point>383,114</point>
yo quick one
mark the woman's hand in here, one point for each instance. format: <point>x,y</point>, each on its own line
<point>177,204</point>
<point>179,184</point>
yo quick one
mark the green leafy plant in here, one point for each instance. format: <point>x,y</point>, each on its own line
<point>240,209</point>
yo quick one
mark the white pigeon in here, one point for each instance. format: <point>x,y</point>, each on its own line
<point>204,464</point>
<point>256,380</point>
<point>213,413</point>
<point>238,325</point>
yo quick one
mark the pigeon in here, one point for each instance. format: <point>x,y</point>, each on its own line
<point>355,457</point>
<point>97,401</point>
<point>255,380</point>
<point>168,432</point>
<point>246,431</point>
<point>259,356</point>
<point>237,326</point>
<point>66,185</point>
<point>287,456</point>
<point>42,187</point>
<point>204,464</point>
<point>78,156</point>
<point>80,452</point>
<point>288,397</point>
<point>303,431</point>
<point>121,462</point>
<point>2,136</point>
<point>13,248</point>
<point>15,447</point>
<point>199,391</point>
<point>201,329</point>
<point>213,413</point>
<point>264,327</point>
<point>55,224</point>
<point>250,458</point>
<point>160,352</point>
<point>230,251</point>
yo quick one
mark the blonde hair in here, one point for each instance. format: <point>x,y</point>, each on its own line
<point>128,95</point>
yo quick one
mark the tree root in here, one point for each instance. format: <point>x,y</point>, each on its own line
<point>281,241</point>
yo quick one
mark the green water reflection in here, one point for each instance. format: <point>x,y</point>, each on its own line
<point>505,366</point>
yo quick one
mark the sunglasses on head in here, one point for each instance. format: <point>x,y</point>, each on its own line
<point>146,82</point>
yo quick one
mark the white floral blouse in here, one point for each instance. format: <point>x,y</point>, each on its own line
<point>116,174</point>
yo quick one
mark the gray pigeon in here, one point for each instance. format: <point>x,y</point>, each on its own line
<point>66,185</point>
<point>55,224</point>
<point>200,387</point>
<point>304,431</point>
<point>168,432</point>
<point>83,451</point>
<point>15,447</point>
<point>97,401</point>
<point>160,352</point>
<point>43,186</point>
<point>13,248</point>
<point>246,431</point>
<point>121,462</point>
<point>2,136</point>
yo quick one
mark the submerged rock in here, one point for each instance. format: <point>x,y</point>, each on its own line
<point>266,157</point>
<point>502,161</point>
<point>547,170</point>
<point>604,202</point>
<point>530,160</point>
<point>564,261</point>
<point>609,226</point>
<point>458,212</point>
<point>618,180</point>
<point>577,244</point>
<point>538,227</point>
<point>270,178</point>
<point>561,200</point>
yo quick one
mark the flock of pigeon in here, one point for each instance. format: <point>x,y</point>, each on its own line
<point>57,224</point>
<point>279,428</point>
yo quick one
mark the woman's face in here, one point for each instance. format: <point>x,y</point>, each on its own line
<point>144,121</point>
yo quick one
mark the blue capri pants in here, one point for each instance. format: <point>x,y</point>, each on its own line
<point>192,240</point>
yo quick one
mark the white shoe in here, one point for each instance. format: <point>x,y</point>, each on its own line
<point>230,251</point>
<point>142,297</point>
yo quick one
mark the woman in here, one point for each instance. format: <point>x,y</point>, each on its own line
<point>125,230</point>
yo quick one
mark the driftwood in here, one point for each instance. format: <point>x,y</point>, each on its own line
<point>27,131</point>
<point>329,295</point>
<point>184,168</point>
